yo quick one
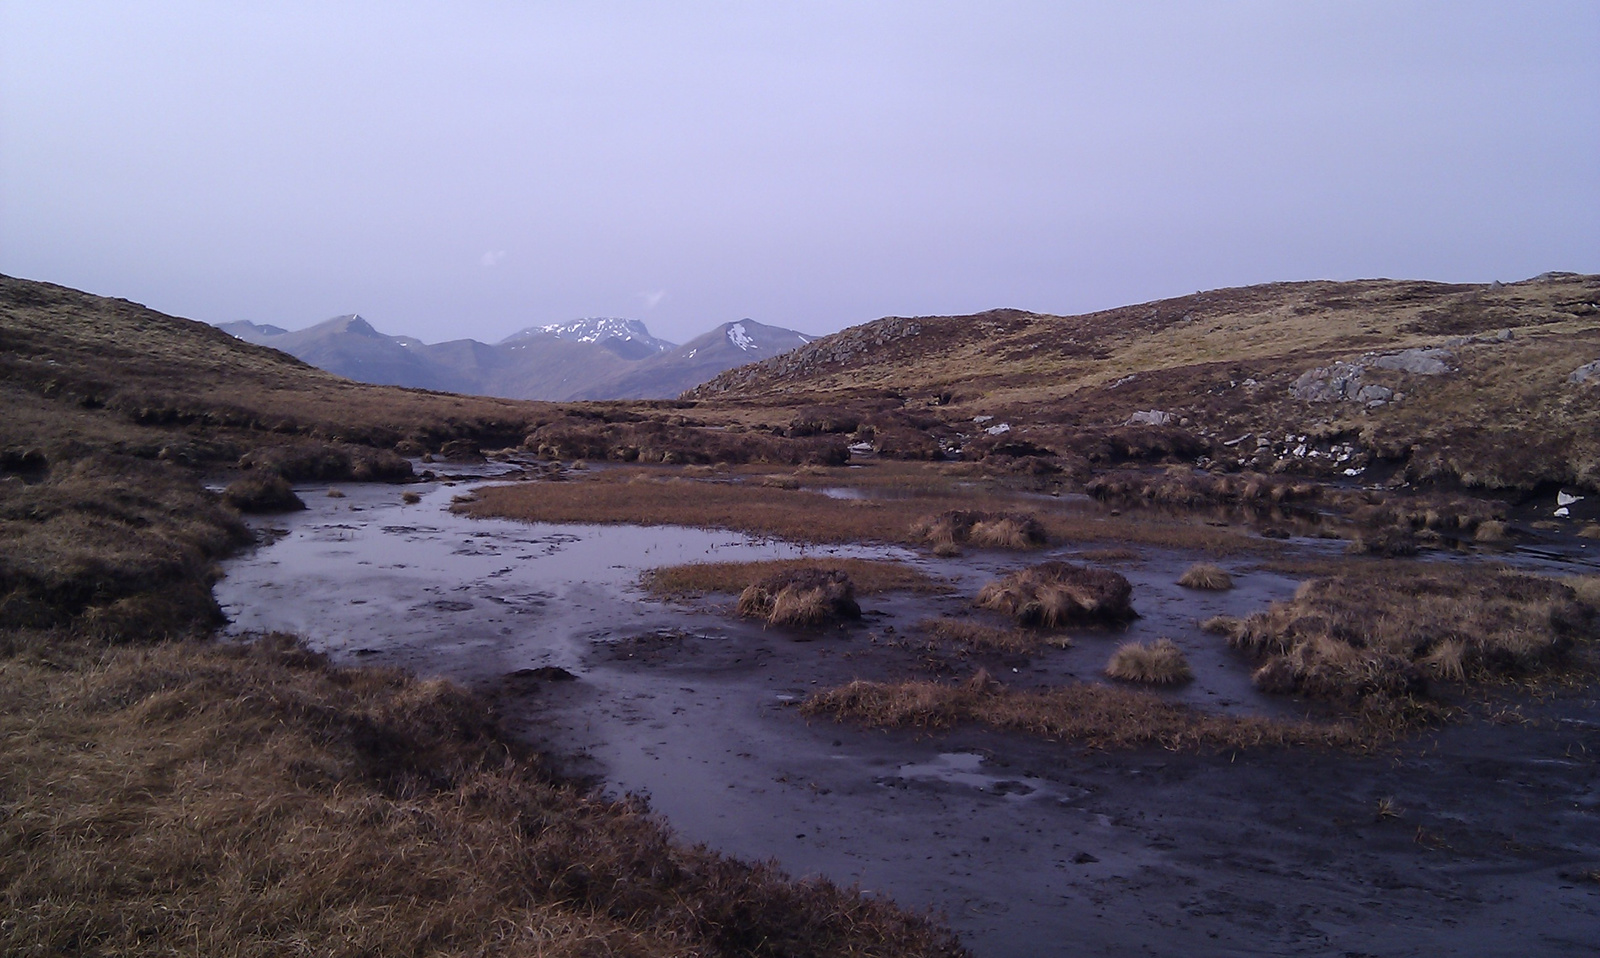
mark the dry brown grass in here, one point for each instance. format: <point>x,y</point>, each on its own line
<point>802,596</point>
<point>1054,594</point>
<point>976,636</point>
<point>870,576</point>
<point>1380,632</point>
<point>1093,715</point>
<point>122,548</point>
<point>658,497</point>
<point>1159,663</point>
<point>1492,530</point>
<point>1586,588</point>
<point>1207,576</point>
<point>245,801</point>
<point>109,371</point>
<point>950,530</point>
<point>262,491</point>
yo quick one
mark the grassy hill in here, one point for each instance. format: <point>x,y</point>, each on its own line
<point>1226,364</point>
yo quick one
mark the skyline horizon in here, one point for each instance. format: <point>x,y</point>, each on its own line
<point>806,332</point>
<point>477,169</point>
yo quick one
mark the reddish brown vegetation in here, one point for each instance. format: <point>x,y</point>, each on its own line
<point>1058,593</point>
<point>251,800</point>
<point>262,491</point>
<point>1380,635</point>
<point>804,596</point>
<point>1094,715</point>
<point>1158,663</point>
<point>948,531</point>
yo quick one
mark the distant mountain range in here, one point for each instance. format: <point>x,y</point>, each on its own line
<point>599,358</point>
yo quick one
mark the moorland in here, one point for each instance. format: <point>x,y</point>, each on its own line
<point>1422,459</point>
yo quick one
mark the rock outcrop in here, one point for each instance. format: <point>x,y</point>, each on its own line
<point>1345,381</point>
<point>1588,374</point>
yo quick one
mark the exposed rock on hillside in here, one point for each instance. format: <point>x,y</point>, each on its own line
<point>1589,373</point>
<point>1345,381</point>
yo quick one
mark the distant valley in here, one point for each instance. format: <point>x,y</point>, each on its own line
<point>600,358</point>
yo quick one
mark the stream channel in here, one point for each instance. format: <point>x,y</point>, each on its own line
<point>1026,847</point>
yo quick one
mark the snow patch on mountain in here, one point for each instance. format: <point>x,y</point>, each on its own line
<point>598,329</point>
<point>738,336</point>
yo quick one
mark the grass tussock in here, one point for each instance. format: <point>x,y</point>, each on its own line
<point>869,576</point>
<point>251,800</point>
<point>976,636</point>
<point>1054,594</point>
<point>262,491</point>
<point>1492,530</point>
<point>948,531</point>
<point>1097,716</point>
<point>1381,635</point>
<point>1159,663</point>
<point>1207,576</point>
<point>803,596</point>
<point>1586,588</point>
<point>324,461</point>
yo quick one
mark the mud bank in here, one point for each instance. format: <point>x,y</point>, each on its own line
<point>1029,847</point>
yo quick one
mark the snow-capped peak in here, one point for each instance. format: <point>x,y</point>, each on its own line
<point>596,329</point>
<point>740,337</point>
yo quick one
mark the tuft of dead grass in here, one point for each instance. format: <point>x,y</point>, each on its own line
<point>251,800</point>
<point>1381,635</point>
<point>1093,715</point>
<point>1159,663</point>
<point>1055,593</point>
<point>1492,530</point>
<point>869,576</point>
<point>948,531</point>
<point>970,635</point>
<point>1207,576</point>
<point>261,491</point>
<point>1586,589</point>
<point>803,596</point>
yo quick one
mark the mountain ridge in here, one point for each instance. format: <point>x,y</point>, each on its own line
<point>591,358</point>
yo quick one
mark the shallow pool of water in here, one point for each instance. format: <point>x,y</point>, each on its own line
<point>369,575</point>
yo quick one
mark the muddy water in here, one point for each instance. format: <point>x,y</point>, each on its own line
<point>1028,847</point>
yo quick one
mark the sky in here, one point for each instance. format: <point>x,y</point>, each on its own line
<point>472,168</point>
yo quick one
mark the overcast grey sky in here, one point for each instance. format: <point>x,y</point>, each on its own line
<point>470,168</point>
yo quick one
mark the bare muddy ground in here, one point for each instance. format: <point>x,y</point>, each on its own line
<point>1030,847</point>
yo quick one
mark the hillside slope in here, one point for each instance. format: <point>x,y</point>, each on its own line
<point>1478,384</point>
<point>669,373</point>
<point>85,370</point>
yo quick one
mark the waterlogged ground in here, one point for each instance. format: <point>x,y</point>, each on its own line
<point>1029,847</point>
